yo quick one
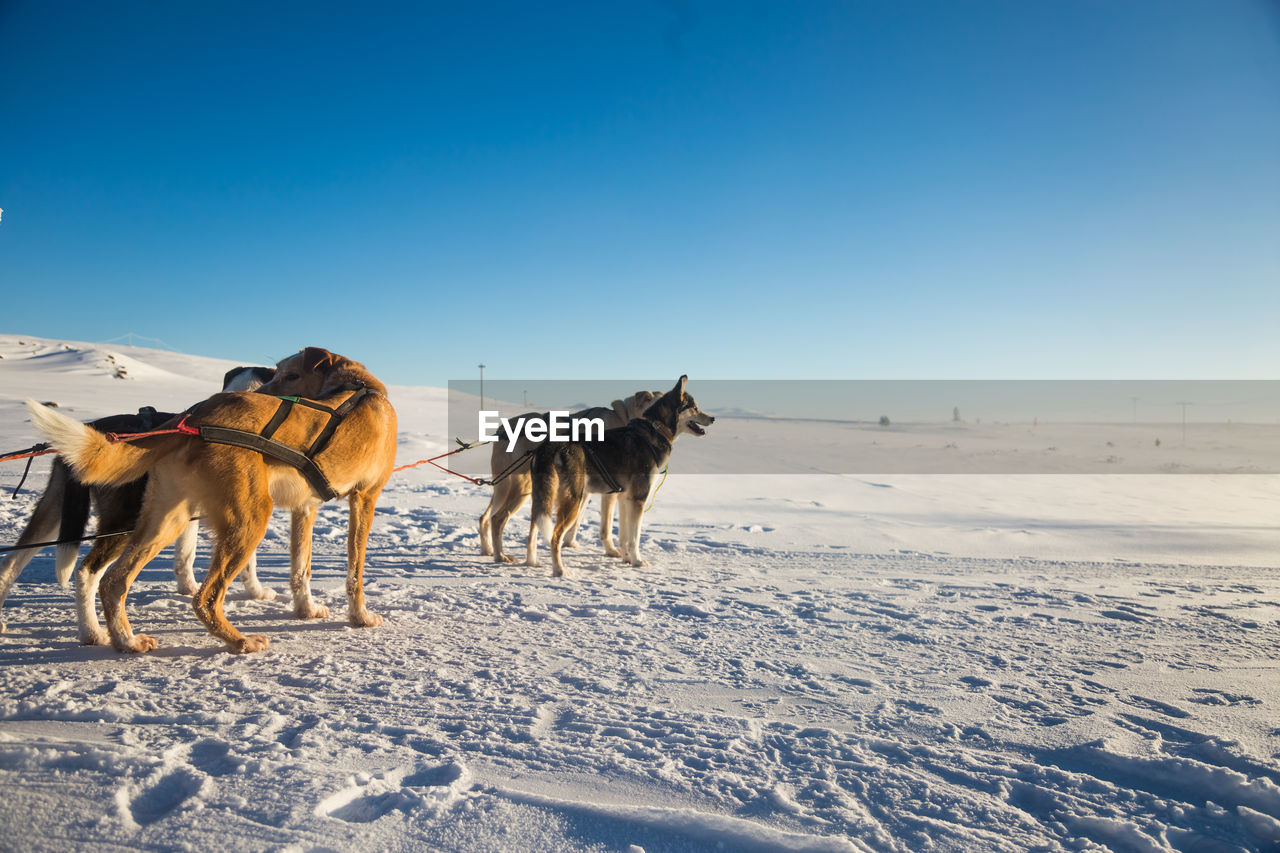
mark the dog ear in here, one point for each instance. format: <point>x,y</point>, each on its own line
<point>679,389</point>
<point>317,360</point>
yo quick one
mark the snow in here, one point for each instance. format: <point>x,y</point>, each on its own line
<point>812,663</point>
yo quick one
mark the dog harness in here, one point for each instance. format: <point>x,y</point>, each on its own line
<point>609,481</point>
<point>658,456</point>
<point>303,460</point>
<point>661,434</point>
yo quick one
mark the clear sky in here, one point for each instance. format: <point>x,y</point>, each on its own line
<point>731,190</point>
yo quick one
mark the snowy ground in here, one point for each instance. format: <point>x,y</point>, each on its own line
<point>903,662</point>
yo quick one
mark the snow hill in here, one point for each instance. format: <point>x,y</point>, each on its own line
<point>812,663</point>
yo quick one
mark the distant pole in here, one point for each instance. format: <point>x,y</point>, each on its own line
<point>482,386</point>
<point>1184,419</point>
<point>526,398</point>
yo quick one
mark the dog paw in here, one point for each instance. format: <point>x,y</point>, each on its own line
<point>251,643</point>
<point>611,550</point>
<point>311,611</point>
<point>138,643</point>
<point>98,637</point>
<point>187,587</point>
<point>365,619</point>
<point>503,558</point>
<point>639,564</point>
<point>572,543</point>
<point>261,593</point>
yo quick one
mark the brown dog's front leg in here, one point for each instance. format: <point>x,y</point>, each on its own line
<point>301,524</point>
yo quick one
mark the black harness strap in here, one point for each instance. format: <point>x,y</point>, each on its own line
<point>614,488</point>
<point>282,412</point>
<point>335,418</point>
<point>510,469</point>
<point>304,461</point>
<point>270,447</point>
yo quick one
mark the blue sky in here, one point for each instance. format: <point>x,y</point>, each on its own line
<point>950,189</point>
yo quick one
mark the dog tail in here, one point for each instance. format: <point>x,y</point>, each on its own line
<point>546,482</point>
<point>93,459</point>
<point>75,517</point>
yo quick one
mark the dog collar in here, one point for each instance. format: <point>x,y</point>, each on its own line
<point>661,432</point>
<point>661,429</point>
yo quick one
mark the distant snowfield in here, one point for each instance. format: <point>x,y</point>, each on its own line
<point>812,663</point>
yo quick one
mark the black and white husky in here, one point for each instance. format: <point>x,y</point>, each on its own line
<point>624,463</point>
<point>511,463</point>
<point>62,513</point>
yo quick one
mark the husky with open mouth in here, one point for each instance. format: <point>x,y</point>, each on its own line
<point>623,464</point>
<point>510,466</point>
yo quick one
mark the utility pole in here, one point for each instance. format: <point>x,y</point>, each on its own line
<point>482,387</point>
<point>1184,420</point>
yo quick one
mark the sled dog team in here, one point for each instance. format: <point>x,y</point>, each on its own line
<point>315,427</point>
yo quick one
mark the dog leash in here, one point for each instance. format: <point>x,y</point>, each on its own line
<point>510,469</point>
<point>44,448</point>
<point>29,454</point>
<point>90,538</point>
<point>432,461</point>
<point>654,497</point>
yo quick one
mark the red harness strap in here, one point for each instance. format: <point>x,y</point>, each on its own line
<point>432,461</point>
<point>117,437</point>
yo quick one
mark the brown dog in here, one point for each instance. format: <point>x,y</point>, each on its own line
<point>233,488</point>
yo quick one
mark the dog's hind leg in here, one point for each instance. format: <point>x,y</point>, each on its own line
<point>360,519</point>
<point>103,553</point>
<point>184,559</point>
<point>160,524</point>
<point>41,527</point>
<point>572,500</point>
<point>545,484</point>
<point>304,607</point>
<point>515,489</point>
<point>486,522</point>
<point>531,544</point>
<point>608,502</point>
<point>571,535</point>
<point>238,531</point>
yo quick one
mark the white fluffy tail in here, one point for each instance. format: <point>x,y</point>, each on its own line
<point>67,435</point>
<point>544,526</point>
<point>94,459</point>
